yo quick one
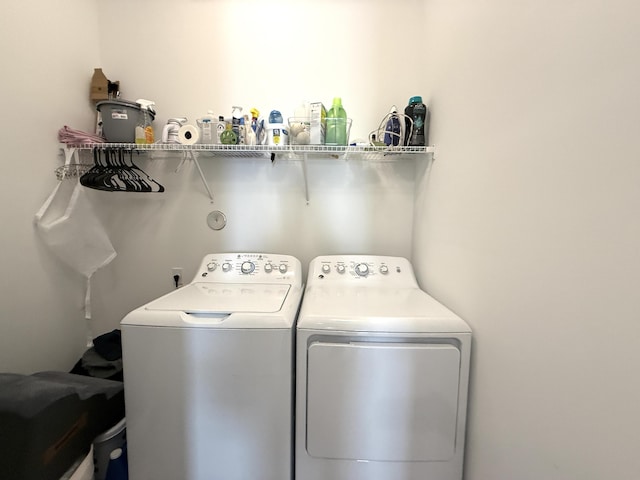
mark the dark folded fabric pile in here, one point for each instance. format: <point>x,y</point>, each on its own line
<point>49,419</point>
<point>104,359</point>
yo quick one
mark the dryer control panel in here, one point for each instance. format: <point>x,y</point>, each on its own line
<point>250,268</point>
<point>362,270</point>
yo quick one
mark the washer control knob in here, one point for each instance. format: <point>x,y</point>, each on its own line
<point>384,269</point>
<point>247,267</point>
<point>282,268</point>
<point>326,268</point>
<point>211,266</point>
<point>341,269</point>
<point>268,268</point>
<point>362,269</point>
<point>226,266</point>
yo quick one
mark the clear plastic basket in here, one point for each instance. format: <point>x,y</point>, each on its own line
<point>342,129</point>
<point>299,131</point>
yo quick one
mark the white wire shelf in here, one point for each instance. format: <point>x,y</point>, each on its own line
<point>267,151</point>
<point>300,153</point>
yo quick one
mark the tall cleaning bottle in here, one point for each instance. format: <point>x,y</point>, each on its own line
<point>419,114</point>
<point>336,130</point>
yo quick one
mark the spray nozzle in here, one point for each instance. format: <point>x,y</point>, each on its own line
<point>147,105</point>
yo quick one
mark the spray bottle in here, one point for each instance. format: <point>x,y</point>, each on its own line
<point>144,129</point>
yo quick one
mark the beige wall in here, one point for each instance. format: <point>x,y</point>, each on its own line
<point>525,224</point>
<point>48,51</point>
<point>528,227</point>
<point>203,55</point>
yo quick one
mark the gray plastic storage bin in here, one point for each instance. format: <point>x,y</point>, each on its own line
<point>119,120</point>
<point>104,444</point>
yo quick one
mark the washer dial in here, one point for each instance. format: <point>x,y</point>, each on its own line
<point>362,269</point>
<point>247,267</point>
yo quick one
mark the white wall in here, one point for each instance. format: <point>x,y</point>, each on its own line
<point>527,226</point>
<point>48,51</point>
<point>190,57</point>
<point>219,53</point>
<point>524,225</point>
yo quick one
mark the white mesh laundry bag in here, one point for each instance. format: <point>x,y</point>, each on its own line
<point>67,224</point>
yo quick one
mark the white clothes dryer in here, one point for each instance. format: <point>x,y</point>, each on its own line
<point>382,373</point>
<point>208,373</point>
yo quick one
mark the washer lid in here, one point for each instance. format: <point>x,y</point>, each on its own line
<point>201,297</point>
<point>376,309</point>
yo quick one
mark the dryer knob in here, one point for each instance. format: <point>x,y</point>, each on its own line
<point>247,267</point>
<point>211,266</point>
<point>326,268</point>
<point>282,268</point>
<point>226,266</point>
<point>362,269</point>
<point>268,268</point>
<point>384,269</point>
<point>341,268</point>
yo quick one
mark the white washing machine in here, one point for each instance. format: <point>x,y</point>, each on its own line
<point>208,373</point>
<point>382,371</point>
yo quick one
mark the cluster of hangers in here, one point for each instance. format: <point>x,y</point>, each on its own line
<point>114,171</point>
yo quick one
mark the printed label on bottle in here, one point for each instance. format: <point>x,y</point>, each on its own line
<point>148,135</point>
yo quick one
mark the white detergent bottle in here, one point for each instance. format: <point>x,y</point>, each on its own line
<point>277,131</point>
<point>207,128</point>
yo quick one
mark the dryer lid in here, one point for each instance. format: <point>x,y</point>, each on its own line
<point>376,309</point>
<point>199,297</point>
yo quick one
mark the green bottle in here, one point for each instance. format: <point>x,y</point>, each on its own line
<point>228,137</point>
<point>336,130</point>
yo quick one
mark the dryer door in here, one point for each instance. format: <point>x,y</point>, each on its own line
<point>382,401</point>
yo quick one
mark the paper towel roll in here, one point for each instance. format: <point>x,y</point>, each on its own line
<point>188,135</point>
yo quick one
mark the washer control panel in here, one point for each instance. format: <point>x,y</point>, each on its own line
<point>250,268</point>
<point>361,269</point>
